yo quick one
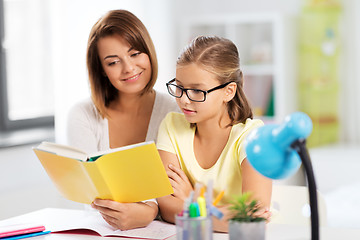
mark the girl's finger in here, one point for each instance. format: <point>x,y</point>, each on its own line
<point>180,173</point>
<point>173,183</point>
<point>174,176</point>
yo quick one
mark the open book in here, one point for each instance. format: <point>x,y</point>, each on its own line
<point>59,220</point>
<point>128,174</point>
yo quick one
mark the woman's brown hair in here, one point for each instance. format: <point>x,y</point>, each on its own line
<point>126,25</point>
<point>220,57</point>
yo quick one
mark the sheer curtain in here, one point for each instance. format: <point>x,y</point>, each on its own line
<point>27,47</point>
<point>350,77</point>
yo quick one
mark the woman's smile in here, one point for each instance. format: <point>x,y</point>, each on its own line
<point>132,79</point>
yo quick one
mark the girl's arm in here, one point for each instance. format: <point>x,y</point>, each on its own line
<point>258,185</point>
<point>171,205</point>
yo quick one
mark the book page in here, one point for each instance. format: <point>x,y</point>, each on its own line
<point>155,230</point>
<point>96,155</point>
<point>59,220</point>
<point>63,150</point>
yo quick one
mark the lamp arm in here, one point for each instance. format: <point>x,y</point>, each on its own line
<point>300,146</point>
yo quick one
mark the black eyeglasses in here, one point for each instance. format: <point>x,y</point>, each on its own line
<point>195,95</point>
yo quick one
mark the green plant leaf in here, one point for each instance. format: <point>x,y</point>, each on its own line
<point>244,209</point>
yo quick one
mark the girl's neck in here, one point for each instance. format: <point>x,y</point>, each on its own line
<point>210,140</point>
<point>213,128</point>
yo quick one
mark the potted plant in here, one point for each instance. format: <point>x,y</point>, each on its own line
<point>245,224</point>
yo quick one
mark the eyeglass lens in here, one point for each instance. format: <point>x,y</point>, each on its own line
<point>192,94</point>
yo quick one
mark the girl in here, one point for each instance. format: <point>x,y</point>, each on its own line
<point>124,108</point>
<point>207,140</point>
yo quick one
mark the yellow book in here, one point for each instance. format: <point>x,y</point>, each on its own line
<point>128,174</point>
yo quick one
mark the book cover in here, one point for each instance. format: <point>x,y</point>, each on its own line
<point>129,174</point>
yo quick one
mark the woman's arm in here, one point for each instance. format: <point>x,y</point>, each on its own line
<point>259,186</point>
<point>171,205</point>
<point>126,216</point>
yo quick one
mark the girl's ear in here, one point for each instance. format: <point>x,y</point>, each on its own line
<point>230,91</point>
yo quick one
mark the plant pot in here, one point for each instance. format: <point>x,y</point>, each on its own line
<point>246,230</point>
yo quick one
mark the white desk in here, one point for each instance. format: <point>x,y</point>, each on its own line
<point>273,232</point>
<point>292,232</point>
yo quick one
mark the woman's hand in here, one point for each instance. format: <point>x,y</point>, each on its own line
<point>179,181</point>
<point>126,216</point>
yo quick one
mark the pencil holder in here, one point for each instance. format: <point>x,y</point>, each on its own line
<point>194,228</point>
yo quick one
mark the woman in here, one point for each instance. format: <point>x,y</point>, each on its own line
<point>124,108</point>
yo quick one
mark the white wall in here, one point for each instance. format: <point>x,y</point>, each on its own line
<point>189,7</point>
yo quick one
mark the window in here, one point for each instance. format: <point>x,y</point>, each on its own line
<point>26,88</point>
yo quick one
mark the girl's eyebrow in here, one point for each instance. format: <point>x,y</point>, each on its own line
<point>194,85</point>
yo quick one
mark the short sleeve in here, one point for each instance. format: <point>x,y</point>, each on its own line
<point>164,139</point>
<point>249,126</point>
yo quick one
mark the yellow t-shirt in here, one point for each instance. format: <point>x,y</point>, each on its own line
<point>176,136</point>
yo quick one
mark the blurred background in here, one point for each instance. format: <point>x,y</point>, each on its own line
<point>296,55</point>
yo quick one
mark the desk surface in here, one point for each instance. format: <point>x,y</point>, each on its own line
<point>273,232</point>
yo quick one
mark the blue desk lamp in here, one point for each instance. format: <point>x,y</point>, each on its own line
<point>277,151</point>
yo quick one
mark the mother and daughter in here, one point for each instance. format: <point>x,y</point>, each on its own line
<point>199,139</point>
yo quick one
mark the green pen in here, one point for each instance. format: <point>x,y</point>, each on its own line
<point>194,209</point>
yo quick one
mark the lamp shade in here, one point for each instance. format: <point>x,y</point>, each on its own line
<point>269,150</point>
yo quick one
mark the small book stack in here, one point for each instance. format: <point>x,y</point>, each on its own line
<point>20,231</point>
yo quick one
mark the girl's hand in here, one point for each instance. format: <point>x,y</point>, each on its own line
<point>126,216</point>
<point>222,225</point>
<point>180,182</point>
<point>264,213</point>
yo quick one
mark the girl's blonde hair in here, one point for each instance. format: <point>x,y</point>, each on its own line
<point>129,27</point>
<point>220,57</point>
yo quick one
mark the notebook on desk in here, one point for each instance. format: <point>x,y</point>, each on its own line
<point>61,220</point>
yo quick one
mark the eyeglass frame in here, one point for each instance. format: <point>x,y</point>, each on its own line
<point>186,89</point>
